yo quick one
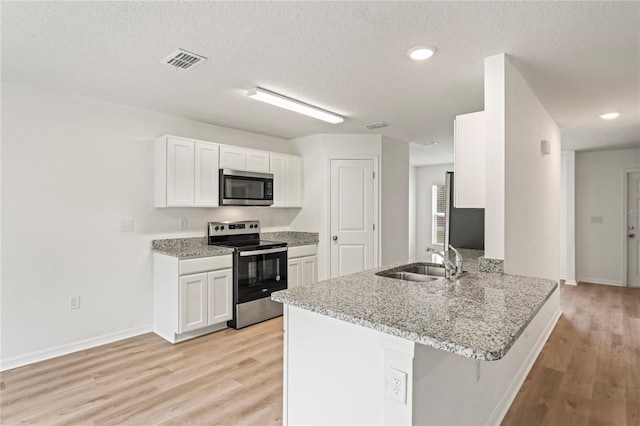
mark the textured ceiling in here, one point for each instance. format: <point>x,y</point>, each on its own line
<point>580,58</point>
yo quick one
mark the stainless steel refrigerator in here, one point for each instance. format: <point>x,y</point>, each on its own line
<point>464,228</point>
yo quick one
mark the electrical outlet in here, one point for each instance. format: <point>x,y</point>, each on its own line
<point>477,370</point>
<point>397,385</point>
<point>126,226</point>
<point>74,302</point>
<point>182,223</point>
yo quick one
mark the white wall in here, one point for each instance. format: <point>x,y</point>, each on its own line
<point>72,169</point>
<point>412,212</point>
<point>567,218</point>
<point>394,201</point>
<point>425,177</point>
<point>316,151</point>
<point>523,186</point>
<point>494,106</point>
<point>532,183</point>
<point>599,192</point>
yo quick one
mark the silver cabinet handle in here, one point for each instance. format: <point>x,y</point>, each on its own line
<point>334,238</point>
<point>632,235</point>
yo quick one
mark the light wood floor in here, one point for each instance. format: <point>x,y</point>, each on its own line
<point>587,374</point>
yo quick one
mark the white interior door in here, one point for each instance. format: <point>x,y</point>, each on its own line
<point>352,216</point>
<point>633,233</point>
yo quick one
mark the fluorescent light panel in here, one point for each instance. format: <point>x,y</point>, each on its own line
<point>292,105</point>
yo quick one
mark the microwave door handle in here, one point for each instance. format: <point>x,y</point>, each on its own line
<point>265,251</point>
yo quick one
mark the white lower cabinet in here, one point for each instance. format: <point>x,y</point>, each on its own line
<point>191,297</point>
<point>303,266</point>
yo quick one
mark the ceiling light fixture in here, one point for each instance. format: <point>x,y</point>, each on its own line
<point>292,105</point>
<point>610,115</point>
<point>420,53</point>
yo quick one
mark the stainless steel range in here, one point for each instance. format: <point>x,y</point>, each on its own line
<point>259,269</point>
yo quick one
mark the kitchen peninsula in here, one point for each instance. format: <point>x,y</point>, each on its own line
<point>367,349</point>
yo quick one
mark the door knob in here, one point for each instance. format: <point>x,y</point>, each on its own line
<point>631,227</point>
<point>334,238</point>
<point>632,235</point>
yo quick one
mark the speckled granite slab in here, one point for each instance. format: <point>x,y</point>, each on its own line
<point>487,264</point>
<point>479,316</point>
<point>186,248</point>
<point>292,238</point>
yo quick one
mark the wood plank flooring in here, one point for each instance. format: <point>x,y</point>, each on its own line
<point>587,374</point>
<point>232,377</point>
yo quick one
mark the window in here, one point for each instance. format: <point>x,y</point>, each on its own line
<point>437,213</point>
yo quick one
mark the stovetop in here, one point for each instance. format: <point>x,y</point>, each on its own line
<point>241,236</point>
<point>252,244</point>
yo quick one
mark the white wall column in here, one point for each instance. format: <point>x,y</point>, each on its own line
<point>568,219</point>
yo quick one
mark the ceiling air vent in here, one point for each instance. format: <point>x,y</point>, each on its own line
<point>183,60</point>
<point>379,125</point>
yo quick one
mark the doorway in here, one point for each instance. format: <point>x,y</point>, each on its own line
<point>353,215</point>
<point>631,212</point>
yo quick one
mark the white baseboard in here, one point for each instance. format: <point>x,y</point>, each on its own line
<point>570,282</point>
<point>507,399</point>
<point>42,355</point>
<point>600,281</point>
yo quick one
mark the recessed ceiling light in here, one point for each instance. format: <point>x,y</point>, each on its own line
<point>610,115</point>
<point>420,53</point>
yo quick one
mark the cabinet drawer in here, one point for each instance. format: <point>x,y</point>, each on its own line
<point>202,264</point>
<point>301,251</point>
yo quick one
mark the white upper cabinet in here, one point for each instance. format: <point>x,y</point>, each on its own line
<point>174,172</point>
<point>239,158</point>
<point>257,161</point>
<point>186,173</point>
<point>294,181</point>
<point>233,157</point>
<point>469,160</point>
<point>206,175</point>
<point>280,179</point>
<point>287,180</point>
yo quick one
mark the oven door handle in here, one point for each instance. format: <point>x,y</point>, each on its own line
<point>265,251</point>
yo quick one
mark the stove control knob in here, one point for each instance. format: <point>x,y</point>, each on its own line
<point>222,228</point>
<point>217,227</point>
<point>251,226</point>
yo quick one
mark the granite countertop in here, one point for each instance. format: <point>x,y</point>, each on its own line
<point>478,316</point>
<point>193,247</point>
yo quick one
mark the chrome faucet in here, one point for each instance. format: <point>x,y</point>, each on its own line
<point>450,269</point>
<point>458,260</point>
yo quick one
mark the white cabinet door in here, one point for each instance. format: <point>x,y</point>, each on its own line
<point>180,190</point>
<point>309,268</point>
<point>220,296</point>
<point>280,179</point>
<point>257,161</point>
<point>233,157</point>
<point>294,273</point>
<point>193,302</point>
<point>294,181</point>
<point>206,175</point>
<point>469,160</point>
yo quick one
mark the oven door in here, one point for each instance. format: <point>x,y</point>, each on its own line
<point>259,273</point>
<point>238,188</point>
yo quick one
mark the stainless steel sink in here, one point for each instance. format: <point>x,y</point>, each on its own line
<point>419,272</point>
<point>434,271</point>
<point>408,276</point>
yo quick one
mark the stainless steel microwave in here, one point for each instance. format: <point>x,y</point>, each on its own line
<point>240,188</point>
